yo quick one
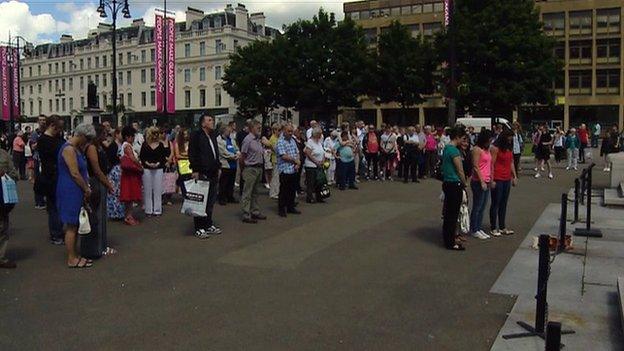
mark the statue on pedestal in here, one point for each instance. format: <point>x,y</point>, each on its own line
<point>92,101</point>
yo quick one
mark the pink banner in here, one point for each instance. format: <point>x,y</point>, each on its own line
<point>159,69</point>
<point>4,83</point>
<point>16,95</point>
<point>171,41</point>
<point>448,9</point>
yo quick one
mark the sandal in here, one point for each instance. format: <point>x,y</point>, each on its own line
<point>131,221</point>
<point>457,247</point>
<point>84,261</point>
<point>109,251</point>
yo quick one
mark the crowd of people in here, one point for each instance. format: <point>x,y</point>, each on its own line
<point>114,172</point>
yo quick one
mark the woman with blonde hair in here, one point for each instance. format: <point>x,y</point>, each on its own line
<point>153,157</point>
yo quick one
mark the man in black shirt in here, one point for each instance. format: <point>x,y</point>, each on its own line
<point>204,158</point>
<point>48,145</point>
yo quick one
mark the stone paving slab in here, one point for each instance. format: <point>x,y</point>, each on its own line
<point>589,305</point>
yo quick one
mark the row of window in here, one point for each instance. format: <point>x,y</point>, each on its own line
<point>68,84</point>
<point>397,11</point>
<point>59,105</point>
<point>580,82</point>
<point>581,22</point>
<point>428,30</point>
<point>581,51</point>
<point>102,61</point>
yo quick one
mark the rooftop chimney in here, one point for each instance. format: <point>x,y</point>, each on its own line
<point>66,38</point>
<point>139,22</point>
<point>241,17</point>
<point>193,14</point>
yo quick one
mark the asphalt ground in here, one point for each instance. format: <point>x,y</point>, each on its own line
<point>366,271</point>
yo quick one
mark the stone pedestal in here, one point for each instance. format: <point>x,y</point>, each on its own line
<point>617,169</point>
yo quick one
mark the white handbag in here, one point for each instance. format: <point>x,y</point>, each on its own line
<point>84,226</point>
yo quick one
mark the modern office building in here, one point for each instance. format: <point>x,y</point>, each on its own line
<point>589,41</point>
<point>54,76</point>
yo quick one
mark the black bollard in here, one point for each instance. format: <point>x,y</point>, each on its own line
<point>553,336</point>
<point>563,219</point>
<point>588,231</point>
<point>583,185</point>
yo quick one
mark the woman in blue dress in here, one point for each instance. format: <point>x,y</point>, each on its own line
<point>73,189</point>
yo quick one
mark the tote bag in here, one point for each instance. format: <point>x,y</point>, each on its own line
<point>84,225</point>
<point>169,181</point>
<point>9,190</point>
<point>196,198</point>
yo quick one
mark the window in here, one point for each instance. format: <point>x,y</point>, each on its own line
<point>202,74</point>
<point>429,29</point>
<point>235,43</point>
<point>71,83</point>
<point>30,89</point>
<point>39,70</point>
<point>580,22</point>
<point>121,99</point>
<point>120,78</point>
<point>97,80</point>
<point>39,86</point>
<point>607,81</point>
<point>217,72</point>
<point>81,83</point>
<point>129,99</point>
<point>30,71</point>
<point>63,84</point>
<point>187,98</point>
<point>143,56</point>
<point>143,76</point>
<point>554,23</point>
<point>81,64</point>
<point>202,97</point>
<point>580,52</point>
<point>608,50</point>
<point>152,75</point>
<point>89,63</point>
<point>355,16</point>
<point>143,99</point>
<point>57,105</point>
<point>128,57</point>
<point>384,12</point>
<point>104,79</point>
<point>63,104</point>
<point>438,7</point>
<point>580,82</point>
<point>82,105</point>
<point>104,60</point>
<point>49,68</point>
<point>97,62</point>
<point>71,65</point>
<point>187,75</point>
<point>49,86</point>
<point>608,20</point>
<point>56,85</point>
<point>406,10</point>
<point>202,48</point>
<point>187,50</point>
<point>56,67</point>
<point>427,8</point>
<point>365,15</point>
<point>39,107</point>
<point>129,78</point>
<point>152,98</point>
<point>370,35</point>
<point>218,46</point>
<point>559,50</point>
<point>395,11</point>
<point>71,103</point>
<point>120,59</point>
<point>105,99</point>
<point>217,96</point>
<point>50,105</point>
<point>152,55</point>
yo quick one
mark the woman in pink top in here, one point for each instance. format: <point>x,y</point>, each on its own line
<point>480,184</point>
<point>19,158</point>
<point>431,152</point>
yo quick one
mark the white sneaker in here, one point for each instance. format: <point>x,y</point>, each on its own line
<point>576,168</point>
<point>484,234</point>
<point>478,235</point>
<point>550,176</point>
<point>542,169</point>
<point>537,175</point>
<point>605,169</point>
<point>267,186</point>
<point>495,233</point>
<point>567,168</point>
<point>201,234</point>
<point>213,230</point>
<point>535,169</point>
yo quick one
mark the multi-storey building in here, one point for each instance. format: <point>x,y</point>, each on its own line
<point>54,77</point>
<point>589,41</point>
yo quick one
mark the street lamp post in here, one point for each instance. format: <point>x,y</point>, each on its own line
<point>115,6</point>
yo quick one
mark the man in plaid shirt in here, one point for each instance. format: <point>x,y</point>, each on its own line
<point>288,162</point>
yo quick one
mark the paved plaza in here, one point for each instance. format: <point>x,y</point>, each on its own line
<point>366,271</point>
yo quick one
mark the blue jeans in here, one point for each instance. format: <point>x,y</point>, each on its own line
<point>54,222</point>
<point>346,175</point>
<point>479,202</point>
<point>498,209</point>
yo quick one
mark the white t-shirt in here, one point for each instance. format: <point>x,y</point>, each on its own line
<point>329,146</point>
<point>309,133</point>
<point>139,139</point>
<point>317,151</point>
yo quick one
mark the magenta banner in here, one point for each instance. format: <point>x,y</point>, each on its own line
<point>448,11</point>
<point>4,84</point>
<point>171,42</point>
<point>159,62</point>
<point>16,96</point>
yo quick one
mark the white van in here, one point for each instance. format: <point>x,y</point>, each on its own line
<point>482,122</point>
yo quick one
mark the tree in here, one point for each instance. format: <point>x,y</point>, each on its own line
<point>250,78</point>
<point>326,66</point>
<point>405,67</point>
<point>504,59</point>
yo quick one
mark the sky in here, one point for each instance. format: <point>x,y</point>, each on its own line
<point>41,21</point>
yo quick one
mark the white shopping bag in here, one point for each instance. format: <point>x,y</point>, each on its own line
<point>196,197</point>
<point>84,226</point>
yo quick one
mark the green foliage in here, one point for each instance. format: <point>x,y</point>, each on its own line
<point>503,58</point>
<point>405,67</point>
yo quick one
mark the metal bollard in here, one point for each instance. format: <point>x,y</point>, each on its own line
<point>563,219</point>
<point>553,336</point>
